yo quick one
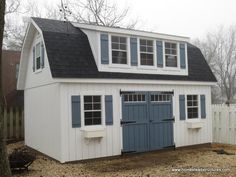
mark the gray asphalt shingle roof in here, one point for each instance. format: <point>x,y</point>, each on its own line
<point>70,56</point>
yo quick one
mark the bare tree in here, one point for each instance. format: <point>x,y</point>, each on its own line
<point>99,12</point>
<point>4,164</point>
<point>219,49</point>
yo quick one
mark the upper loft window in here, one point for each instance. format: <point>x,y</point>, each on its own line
<point>37,56</point>
<point>119,49</point>
<point>171,54</point>
<point>146,52</point>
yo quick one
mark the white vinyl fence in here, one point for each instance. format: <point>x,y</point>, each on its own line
<point>224,124</point>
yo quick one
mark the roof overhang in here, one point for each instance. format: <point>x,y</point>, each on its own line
<point>131,32</point>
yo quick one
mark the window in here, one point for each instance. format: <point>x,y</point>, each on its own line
<point>119,50</point>
<point>171,54</point>
<point>160,98</point>
<point>192,106</point>
<point>37,56</point>
<point>136,97</point>
<point>146,52</point>
<point>92,110</point>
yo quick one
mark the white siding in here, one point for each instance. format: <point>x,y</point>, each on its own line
<point>42,120</point>
<point>34,79</point>
<point>76,147</point>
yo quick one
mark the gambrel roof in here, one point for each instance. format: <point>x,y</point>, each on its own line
<point>70,56</point>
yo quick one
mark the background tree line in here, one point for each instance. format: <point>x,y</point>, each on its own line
<point>218,47</point>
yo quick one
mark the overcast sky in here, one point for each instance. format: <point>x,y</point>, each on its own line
<point>192,18</point>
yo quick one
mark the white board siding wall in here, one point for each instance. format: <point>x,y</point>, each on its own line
<point>42,120</point>
<point>76,147</point>
<point>37,78</point>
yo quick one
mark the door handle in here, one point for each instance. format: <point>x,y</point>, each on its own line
<point>151,120</point>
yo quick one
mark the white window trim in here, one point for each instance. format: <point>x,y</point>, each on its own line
<point>92,127</point>
<point>199,108</point>
<point>154,66</point>
<point>116,65</point>
<point>142,69</point>
<point>38,41</point>
<point>166,101</point>
<point>178,57</point>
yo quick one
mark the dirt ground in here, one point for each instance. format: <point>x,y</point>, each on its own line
<point>201,161</point>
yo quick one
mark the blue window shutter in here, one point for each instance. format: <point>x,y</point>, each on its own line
<point>182,56</point>
<point>104,49</point>
<point>42,55</point>
<point>182,115</point>
<point>33,59</point>
<point>134,51</point>
<point>76,111</point>
<point>203,106</point>
<point>109,110</point>
<point>159,48</point>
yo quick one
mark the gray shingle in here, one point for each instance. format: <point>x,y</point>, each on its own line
<point>70,56</point>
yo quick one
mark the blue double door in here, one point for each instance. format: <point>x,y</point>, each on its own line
<point>147,121</point>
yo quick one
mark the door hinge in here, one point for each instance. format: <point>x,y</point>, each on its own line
<point>126,122</point>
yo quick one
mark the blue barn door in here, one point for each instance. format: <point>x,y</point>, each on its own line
<point>147,121</point>
<point>135,122</point>
<point>161,120</point>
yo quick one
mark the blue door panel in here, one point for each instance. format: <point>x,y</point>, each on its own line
<point>148,125</point>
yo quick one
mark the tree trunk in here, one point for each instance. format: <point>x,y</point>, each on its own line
<point>4,163</point>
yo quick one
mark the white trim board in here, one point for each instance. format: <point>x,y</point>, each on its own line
<point>132,32</point>
<point>133,81</point>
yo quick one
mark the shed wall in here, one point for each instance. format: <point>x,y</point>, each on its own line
<point>42,120</point>
<point>76,147</point>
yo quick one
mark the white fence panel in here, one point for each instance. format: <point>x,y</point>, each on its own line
<point>224,124</point>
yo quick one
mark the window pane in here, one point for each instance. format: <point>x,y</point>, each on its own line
<point>123,46</point>
<point>126,97</point>
<point>115,46</point>
<point>114,39</point>
<point>143,49</point>
<point>96,98</point>
<point>149,43</point>
<point>97,106</point>
<point>88,115</point>
<point>37,52</point>
<point>142,42</point>
<point>88,99</point>
<point>123,40</point>
<point>38,63</point>
<point>143,98</point>
<point>96,121</point>
<point>171,61</point>
<point>88,122</point>
<point>97,114</point>
<point>88,107</point>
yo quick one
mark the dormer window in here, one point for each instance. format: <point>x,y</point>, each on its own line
<point>171,54</point>
<point>37,56</point>
<point>119,49</point>
<point>146,52</point>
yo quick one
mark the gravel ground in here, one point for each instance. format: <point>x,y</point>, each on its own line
<point>162,163</point>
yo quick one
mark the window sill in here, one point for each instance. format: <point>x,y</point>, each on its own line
<point>194,124</point>
<point>171,69</point>
<point>38,71</point>
<point>95,132</point>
